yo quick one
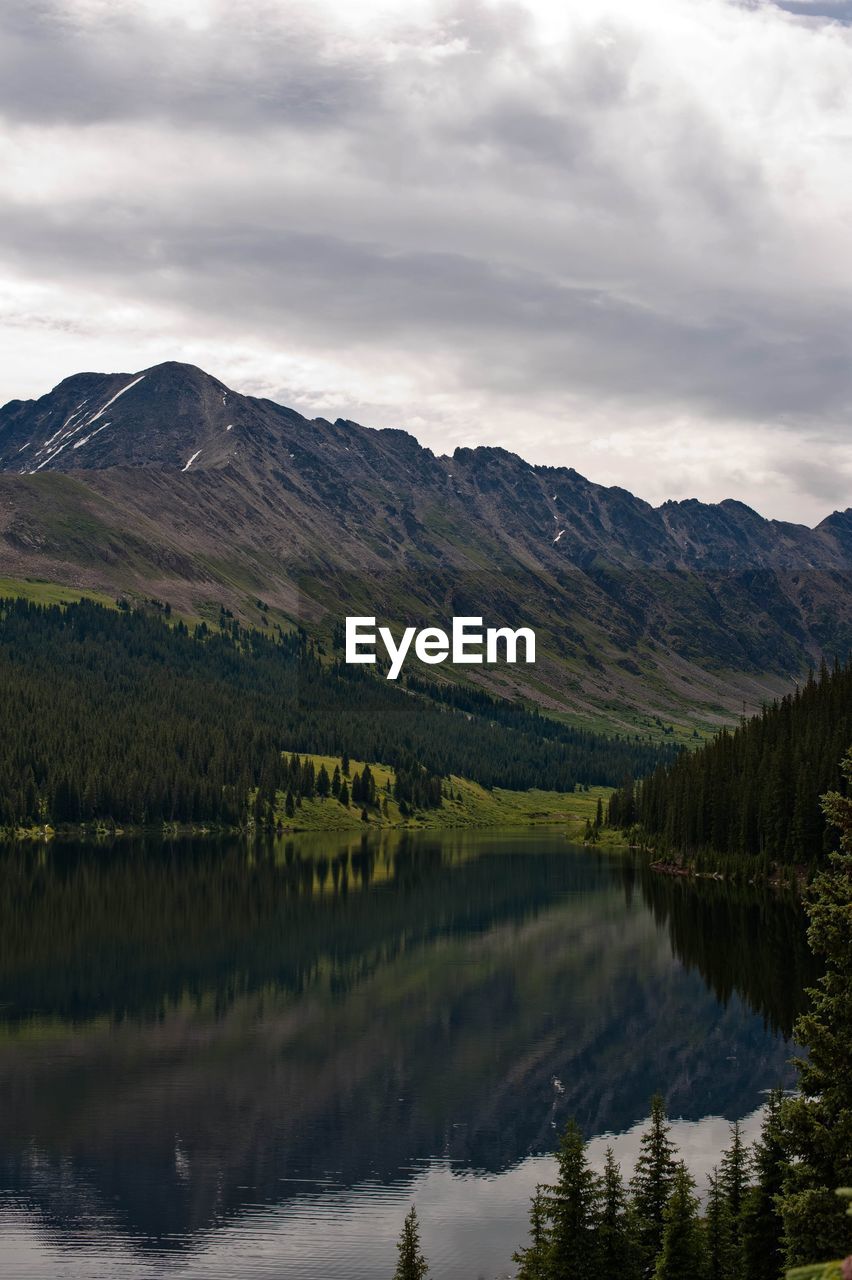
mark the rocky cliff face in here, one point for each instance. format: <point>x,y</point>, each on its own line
<point>167,483</point>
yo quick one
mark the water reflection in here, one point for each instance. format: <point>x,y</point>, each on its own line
<point>194,1034</point>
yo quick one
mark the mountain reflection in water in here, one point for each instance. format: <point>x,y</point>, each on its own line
<point>202,1041</point>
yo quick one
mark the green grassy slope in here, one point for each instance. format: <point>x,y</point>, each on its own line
<point>465,804</point>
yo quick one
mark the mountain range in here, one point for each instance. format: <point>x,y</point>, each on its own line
<point>167,485</point>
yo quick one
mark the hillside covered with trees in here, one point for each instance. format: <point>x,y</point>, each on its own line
<point>752,792</point>
<point>121,716</point>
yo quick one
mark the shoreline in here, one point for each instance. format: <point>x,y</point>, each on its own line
<point>175,831</point>
<point>774,880</point>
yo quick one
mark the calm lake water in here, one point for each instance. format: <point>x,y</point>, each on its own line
<point>221,1060</point>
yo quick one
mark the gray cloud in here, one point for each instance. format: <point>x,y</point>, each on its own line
<point>520,332</point>
<point>837,11</point>
<point>820,480</point>
<point>457,205</point>
<point>58,65</point>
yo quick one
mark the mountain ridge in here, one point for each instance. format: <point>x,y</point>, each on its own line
<point>125,381</point>
<point>168,483</point>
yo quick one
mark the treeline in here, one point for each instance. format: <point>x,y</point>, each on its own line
<point>587,1225</point>
<point>118,716</point>
<point>753,791</point>
<point>414,787</point>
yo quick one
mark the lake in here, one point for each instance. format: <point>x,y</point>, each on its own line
<point>222,1059</point>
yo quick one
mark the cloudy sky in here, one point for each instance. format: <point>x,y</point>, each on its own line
<point>602,233</point>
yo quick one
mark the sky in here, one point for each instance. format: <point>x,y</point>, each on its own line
<point>603,234</point>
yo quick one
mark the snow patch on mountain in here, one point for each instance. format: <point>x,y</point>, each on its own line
<point>100,413</point>
<point>50,457</point>
<point>78,444</point>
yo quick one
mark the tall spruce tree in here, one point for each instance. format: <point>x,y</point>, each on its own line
<point>573,1211</point>
<point>681,1256</point>
<point>719,1236</point>
<point>817,1123</point>
<point>411,1264</point>
<point>734,1177</point>
<point>734,1172</point>
<point>652,1184</point>
<point>760,1223</point>
<point>534,1260</point>
<point>616,1251</point>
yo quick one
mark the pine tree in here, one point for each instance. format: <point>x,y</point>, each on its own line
<point>761,1224</point>
<point>734,1176</point>
<point>682,1254</point>
<point>734,1171</point>
<point>572,1206</point>
<point>289,807</point>
<point>411,1264</point>
<point>344,795</point>
<point>651,1185</point>
<point>817,1123</point>
<point>323,782</point>
<point>616,1251</point>
<point>307,787</point>
<point>719,1231</point>
<point>335,781</point>
<point>344,764</point>
<point>533,1261</point>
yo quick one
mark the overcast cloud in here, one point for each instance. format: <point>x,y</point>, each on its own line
<point>617,237</point>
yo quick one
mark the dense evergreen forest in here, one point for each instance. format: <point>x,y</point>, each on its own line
<point>755,790</point>
<point>120,716</point>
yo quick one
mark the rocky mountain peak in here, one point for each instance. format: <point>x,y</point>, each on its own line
<point>169,415</point>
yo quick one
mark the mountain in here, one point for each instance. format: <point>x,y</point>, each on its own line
<point>165,483</point>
